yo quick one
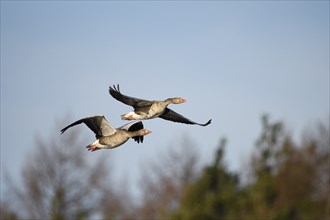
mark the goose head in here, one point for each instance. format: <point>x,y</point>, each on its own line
<point>176,100</point>
<point>145,131</point>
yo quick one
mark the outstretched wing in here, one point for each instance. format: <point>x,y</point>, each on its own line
<point>98,124</point>
<point>173,116</point>
<point>134,102</point>
<point>134,126</point>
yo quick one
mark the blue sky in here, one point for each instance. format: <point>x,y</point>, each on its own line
<point>231,61</point>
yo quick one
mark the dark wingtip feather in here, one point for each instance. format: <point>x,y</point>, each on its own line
<point>114,88</point>
<point>138,139</point>
<point>136,126</point>
<point>207,123</point>
<point>63,130</point>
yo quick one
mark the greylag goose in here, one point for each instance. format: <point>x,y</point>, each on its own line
<point>109,137</point>
<point>145,109</point>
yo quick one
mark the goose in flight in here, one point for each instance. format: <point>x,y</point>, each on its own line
<point>145,109</point>
<point>109,137</point>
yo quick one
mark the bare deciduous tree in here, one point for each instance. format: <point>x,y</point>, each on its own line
<point>61,180</point>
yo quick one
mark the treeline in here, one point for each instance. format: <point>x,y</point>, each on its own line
<point>286,179</point>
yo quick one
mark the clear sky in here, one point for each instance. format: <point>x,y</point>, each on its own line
<point>231,61</point>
